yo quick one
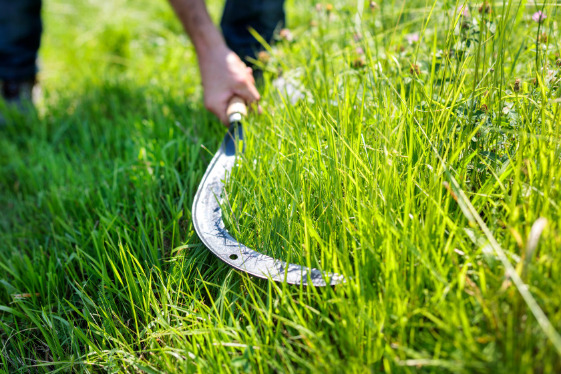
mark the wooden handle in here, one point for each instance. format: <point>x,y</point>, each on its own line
<point>236,105</point>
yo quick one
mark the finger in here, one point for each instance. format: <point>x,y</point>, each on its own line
<point>249,93</point>
<point>254,91</point>
<point>250,75</point>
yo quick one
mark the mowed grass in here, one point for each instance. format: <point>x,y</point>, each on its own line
<point>421,160</point>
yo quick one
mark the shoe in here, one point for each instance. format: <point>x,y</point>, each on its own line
<point>18,96</point>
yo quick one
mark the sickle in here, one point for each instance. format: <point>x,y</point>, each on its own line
<point>208,223</point>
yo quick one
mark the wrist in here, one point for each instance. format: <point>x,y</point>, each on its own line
<point>208,41</point>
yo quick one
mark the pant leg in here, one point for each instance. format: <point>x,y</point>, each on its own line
<point>265,16</point>
<point>20,37</point>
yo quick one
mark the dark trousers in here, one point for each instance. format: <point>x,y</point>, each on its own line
<point>20,31</point>
<point>264,16</point>
<point>20,35</point>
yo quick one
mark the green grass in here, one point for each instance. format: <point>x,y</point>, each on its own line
<point>417,170</point>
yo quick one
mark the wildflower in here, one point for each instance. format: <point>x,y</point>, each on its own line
<point>412,38</point>
<point>415,70</point>
<point>329,8</point>
<point>463,10</point>
<point>550,76</point>
<point>313,23</point>
<point>357,37</point>
<point>263,57</point>
<point>286,34</point>
<point>319,7</point>
<point>373,6</point>
<point>517,85</point>
<point>539,16</point>
<point>289,85</point>
<point>485,8</point>
<point>358,62</point>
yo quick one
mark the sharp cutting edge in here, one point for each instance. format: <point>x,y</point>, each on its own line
<point>208,223</point>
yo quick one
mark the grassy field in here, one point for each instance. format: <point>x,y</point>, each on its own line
<point>422,160</point>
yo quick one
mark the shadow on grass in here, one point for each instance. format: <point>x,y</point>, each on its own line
<point>116,166</point>
<point>96,195</point>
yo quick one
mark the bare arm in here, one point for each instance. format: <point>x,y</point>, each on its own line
<point>223,74</point>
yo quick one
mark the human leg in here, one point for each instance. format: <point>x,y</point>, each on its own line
<point>20,35</point>
<point>265,16</point>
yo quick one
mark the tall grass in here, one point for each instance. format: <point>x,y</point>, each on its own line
<point>420,159</point>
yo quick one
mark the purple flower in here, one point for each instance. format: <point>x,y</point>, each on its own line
<point>463,10</point>
<point>412,38</point>
<point>539,16</point>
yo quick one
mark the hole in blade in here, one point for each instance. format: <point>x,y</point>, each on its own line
<point>233,257</point>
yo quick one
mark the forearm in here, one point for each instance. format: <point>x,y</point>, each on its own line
<point>223,74</point>
<point>198,25</point>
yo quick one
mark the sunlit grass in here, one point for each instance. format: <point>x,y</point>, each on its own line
<point>420,159</point>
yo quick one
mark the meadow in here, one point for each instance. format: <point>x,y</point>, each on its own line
<point>412,146</point>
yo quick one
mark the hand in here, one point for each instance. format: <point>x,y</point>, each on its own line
<point>224,75</point>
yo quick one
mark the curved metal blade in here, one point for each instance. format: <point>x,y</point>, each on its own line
<point>207,219</point>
